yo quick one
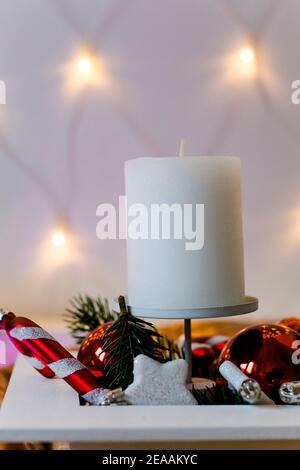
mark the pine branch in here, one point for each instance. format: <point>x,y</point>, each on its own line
<point>85,314</point>
<point>126,338</point>
<point>172,350</point>
<point>217,395</point>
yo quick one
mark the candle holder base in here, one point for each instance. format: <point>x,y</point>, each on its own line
<point>250,304</point>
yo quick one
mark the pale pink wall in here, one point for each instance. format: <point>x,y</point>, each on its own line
<point>166,62</point>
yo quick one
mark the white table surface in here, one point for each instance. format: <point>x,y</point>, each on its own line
<point>39,409</point>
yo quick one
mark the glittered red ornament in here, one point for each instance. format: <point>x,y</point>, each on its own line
<point>291,322</point>
<point>265,353</point>
<point>91,353</point>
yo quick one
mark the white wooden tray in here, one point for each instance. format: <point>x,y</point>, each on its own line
<point>39,409</point>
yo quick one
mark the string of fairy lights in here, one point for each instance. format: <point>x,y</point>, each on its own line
<point>87,70</point>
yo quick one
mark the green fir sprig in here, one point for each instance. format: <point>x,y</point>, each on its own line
<point>125,339</point>
<point>85,314</point>
<point>217,395</point>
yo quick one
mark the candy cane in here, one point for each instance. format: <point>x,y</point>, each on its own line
<point>55,357</point>
<point>29,356</point>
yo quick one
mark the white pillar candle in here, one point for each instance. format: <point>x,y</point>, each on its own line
<point>162,274</point>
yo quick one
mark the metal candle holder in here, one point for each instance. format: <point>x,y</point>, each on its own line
<point>250,304</point>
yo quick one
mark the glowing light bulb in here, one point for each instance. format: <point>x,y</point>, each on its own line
<point>84,65</point>
<point>58,239</point>
<point>85,69</point>
<point>247,56</point>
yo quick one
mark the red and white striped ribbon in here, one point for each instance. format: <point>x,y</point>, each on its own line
<point>46,351</point>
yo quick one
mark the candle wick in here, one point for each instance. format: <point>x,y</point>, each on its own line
<point>182,147</point>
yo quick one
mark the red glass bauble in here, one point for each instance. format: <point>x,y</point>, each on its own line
<point>291,322</point>
<point>203,356</point>
<point>91,353</point>
<point>264,353</point>
<point>218,343</point>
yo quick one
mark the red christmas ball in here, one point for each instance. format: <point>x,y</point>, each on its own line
<point>291,322</point>
<point>91,353</point>
<point>218,343</point>
<point>265,353</point>
<point>203,352</point>
<point>203,356</point>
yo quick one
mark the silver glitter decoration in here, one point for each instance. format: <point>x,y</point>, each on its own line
<point>250,391</point>
<point>34,362</point>
<point>98,397</point>
<point>65,367</point>
<point>232,374</point>
<point>289,393</point>
<point>116,395</point>
<point>30,332</point>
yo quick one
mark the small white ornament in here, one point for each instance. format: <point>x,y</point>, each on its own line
<point>159,384</point>
<point>249,389</point>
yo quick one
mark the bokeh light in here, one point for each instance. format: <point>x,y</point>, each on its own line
<point>247,55</point>
<point>58,239</point>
